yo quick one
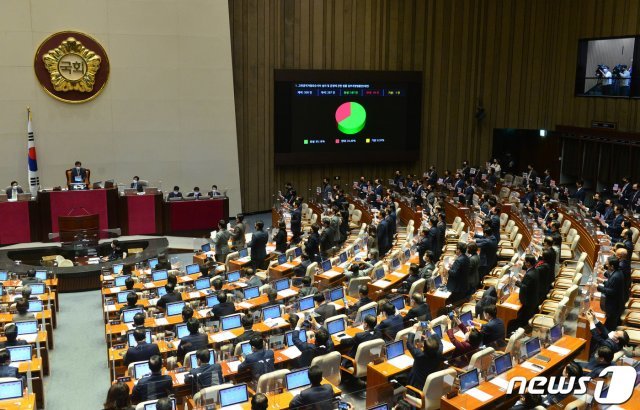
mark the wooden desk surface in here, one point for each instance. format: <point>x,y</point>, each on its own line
<point>25,403</point>
<point>508,310</point>
<point>394,278</point>
<point>150,285</point>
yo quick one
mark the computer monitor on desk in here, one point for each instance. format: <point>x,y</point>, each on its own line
<point>469,380</point>
<point>11,389</point>
<point>233,395</point>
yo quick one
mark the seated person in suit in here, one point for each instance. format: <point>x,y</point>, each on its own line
<point>363,292</point>
<point>193,341</point>
<point>214,191</point>
<point>260,361</point>
<point>129,283</point>
<point>164,403</point>
<point>419,309</point>
<point>132,302</point>
<point>78,174</point>
<point>136,184</point>
<point>272,296</point>
<point>30,278</point>
<point>319,396</point>
<point>322,345</point>
<point>249,333</point>
<point>300,271</point>
<point>572,369</point>
<point>369,333</point>
<point>414,275</point>
<point>116,251</point>
<point>489,298</point>
<point>142,351</point>
<point>600,336</point>
<point>323,309</point>
<point>392,323</point>
<point>175,193</point>
<point>527,401</point>
<point>251,278</point>
<point>26,293</point>
<point>154,386</point>
<point>14,190</point>
<point>602,359</point>
<point>426,361</point>
<point>5,369</point>
<point>205,375</point>
<point>307,289</point>
<point>224,308</point>
<point>195,193</point>
<point>259,402</point>
<point>170,296</point>
<point>493,330</point>
<point>11,333</point>
<point>472,338</point>
<point>22,306</point>
<point>426,272</point>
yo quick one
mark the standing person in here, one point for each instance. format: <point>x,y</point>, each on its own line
<point>258,245</point>
<point>458,280</point>
<point>382,234</point>
<point>528,293</point>
<point>296,222</point>
<point>221,244</point>
<point>607,82</point>
<point>474,266</point>
<point>612,290</point>
<point>280,238</point>
<point>326,238</point>
<point>326,190</point>
<point>312,245</point>
<point>237,237</point>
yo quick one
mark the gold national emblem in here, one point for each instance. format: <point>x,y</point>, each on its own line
<point>72,66</point>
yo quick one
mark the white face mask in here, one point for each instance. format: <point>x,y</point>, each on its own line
<point>14,186</point>
<point>175,192</point>
<point>78,168</point>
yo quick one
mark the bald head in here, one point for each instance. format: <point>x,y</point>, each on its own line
<point>621,253</point>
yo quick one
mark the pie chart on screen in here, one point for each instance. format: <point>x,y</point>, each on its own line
<point>351,118</point>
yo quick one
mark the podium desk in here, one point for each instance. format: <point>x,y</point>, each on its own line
<point>508,310</point>
<point>19,222</point>
<point>141,214</point>
<point>194,217</point>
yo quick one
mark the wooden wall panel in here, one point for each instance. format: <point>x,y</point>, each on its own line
<point>517,57</point>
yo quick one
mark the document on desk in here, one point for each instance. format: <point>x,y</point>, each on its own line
<point>194,295</point>
<point>398,274</point>
<point>331,273</point>
<point>447,346</point>
<point>223,336</point>
<point>442,293</point>
<point>274,322</point>
<point>401,362</point>
<point>287,265</point>
<point>233,365</point>
<point>511,306</point>
<point>240,284</point>
<point>115,289</point>
<point>382,283</point>
<point>560,350</point>
<point>203,312</point>
<point>30,337</point>
<point>287,293</point>
<point>149,285</point>
<point>107,277</point>
<point>245,305</point>
<point>110,308</point>
<point>479,394</point>
<point>291,352</point>
<point>500,382</point>
<point>180,377</point>
<point>244,260</point>
<point>533,367</point>
<point>162,322</point>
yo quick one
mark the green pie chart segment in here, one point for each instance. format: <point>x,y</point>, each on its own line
<point>351,118</point>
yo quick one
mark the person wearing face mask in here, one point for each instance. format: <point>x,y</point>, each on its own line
<point>195,193</point>
<point>136,184</point>
<point>116,251</point>
<point>175,193</point>
<point>14,190</point>
<point>79,175</point>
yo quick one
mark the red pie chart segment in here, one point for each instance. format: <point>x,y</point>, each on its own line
<point>351,118</point>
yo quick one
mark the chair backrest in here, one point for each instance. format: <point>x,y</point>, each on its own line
<point>516,242</point>
<point>561,311</point>
<point>571,293</point>
<point>208,395</point>
<point>268,381</point>
<point>330,365</point>
<point>311,270</point>
<point>566,225</point>
<point>580,265</point>
<point>460,228</point>
<point>440,320</point>
<point>574,244</point>
<point>509,226</point>
<point>504,219</point>
<point>513,233</point>
<point>434,388</point>
<point>65,263</point>
<point>577,279</point>
<point>577,404</point>
<point>231,257</point>
<point>634,234</point>
<point>290,253</point>
<point>417,287</point>
<point>354,283</point>
<point>482,359</point>
<point>187,359</point>
<point>571,234</point>
<point>403,334</point>
<point>560,218</point>
<point>456,221</point>
<point>356,216</point>
<point>365,354</point>
<point>513,340</point>
<point>365,307</point>
<point>314,218</point>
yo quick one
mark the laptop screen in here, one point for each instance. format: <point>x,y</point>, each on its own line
<point>37,288</point>
<point>532,347</point>
<point>132,340</point>
<point>379,407</point>
<point>302,335</point>
<point>117,268</point>
<point>466,317</point>
<point>193,268</point>
<point>194,359</point>
<point>243,253</point>
<point>181,330</point>
<point>407,254</point>
<point>395,262</point>
<point>35,306</point>
<point>326,265</point>
<point>231,322</point>
<point>370,311</point>
<point>27,327</point>
<point>437,330</point>
<point>141,369</point>
<point>42,274</point>
<point>175,308</point>
<point>380,273</point>
<point>119,281</point>
<point>555,333</point>
<point>297,251</point>
<point>152,406</point>
<point>395,349</point>
<point>122,296</point>
<point>152,263</point>
<point>398,302</point>
<point>160,275</point>
<point>437,281</point>
<point>11,389</point>
<point>233,276</point>
<point>202,283</point>
<point>469,380</point>
<point>335,326</point>
<point>306,303</point>
<point>212,301</point>
<point>343,257</point>
<point>246,348</point>
<point>251,292</point>
<point>297,379</point>
<point>271,312</point>
<point>234,395</point>
<point>503,363</point>
<point>206,247</point>
<point>20,353</point>
<point>336,294</point>
<point>3,275</point>
<point>128,314</point>
<point>282,258</point>
<point>281,284</point>
<point>161,291</point>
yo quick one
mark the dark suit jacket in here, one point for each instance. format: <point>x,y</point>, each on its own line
<point>545,281</point>
<point>359,338</point>
<point>223,309</point>
<point>153,387</point>
<point>192,342</point>
<point>9,371</point>
<point>246,336</point>
<point>361,302</point>
<point>281,241</point>
<point>139,187</point>
<point>206,375</point>
<point>488,246</point>
<point>420,312</point>
<point>325,311</point>
<point>82,174</point>
<point>315,397</point>
<point>143,351</point>
<point>492,330</point>
<point>423,364</point>
<point>600,337</point>
<point>474,275</point>
<point>309,351</point>
<point>312,247</point>
<point>10,192</point>
<point>390,326</point>
<point>615,228</point>
<point>296,222</point>
<point>458,275</point>
<point>258,246</point>
<point>168,298</point>
<point>259,362</point>
<point>529,290</point>
<point>613,290</point>
<point>383,237</point>
<point>174,195</point>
